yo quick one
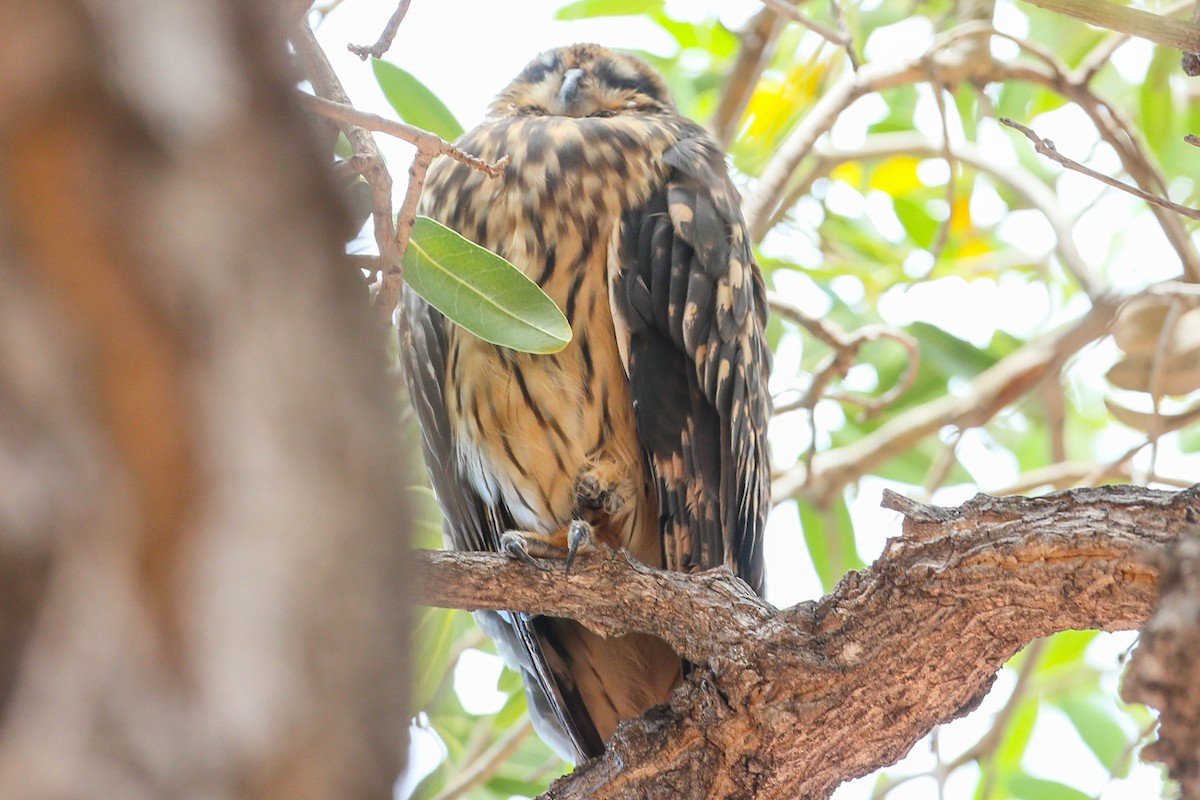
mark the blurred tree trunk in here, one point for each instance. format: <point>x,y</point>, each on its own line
<point>200,533</point>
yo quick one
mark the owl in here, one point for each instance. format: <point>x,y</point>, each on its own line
<point>648,431</point>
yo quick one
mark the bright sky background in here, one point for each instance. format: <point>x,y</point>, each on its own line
<point>466,50</point>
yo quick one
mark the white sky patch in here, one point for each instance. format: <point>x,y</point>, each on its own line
<point>844,200</point>
<point>1132,59</point>
<point>970,310</point>
<point>802,292</point>
<point>908,38</point>
<point>882,213</point>
<point>933,171</point>
<point>850,130</point>
<point>987,207</point>
<point>1027,230</point>
<point>849,288</point>
<point>475,679</point>
<point>981,456</point>
<point>874,524</point>
<point>998,142</point>
<point>791,577</point>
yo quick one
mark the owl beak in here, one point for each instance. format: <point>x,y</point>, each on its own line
<point>570,96</point>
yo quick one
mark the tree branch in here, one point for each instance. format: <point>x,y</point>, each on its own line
<point>384,43</point>
<point>609,593</point>
<point>1046,147</point>
<point>1164,673</point>
<point>777,705</point>
<point>991,391</point>
<point>1162,30</point>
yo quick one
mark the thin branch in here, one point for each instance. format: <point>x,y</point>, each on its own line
<point>1047,148</point>
<point>422,139</point>
<point>385,39</point>
<point>370,163</point>
<point>1162,30</point>
<point>985,395</point>
<point>429,146</point>
<point>846,347</point>
<point>1017,178</point>
<point>479,770</point>
<point>833,37</point>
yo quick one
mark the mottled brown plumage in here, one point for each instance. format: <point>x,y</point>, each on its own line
<point>651,425</point>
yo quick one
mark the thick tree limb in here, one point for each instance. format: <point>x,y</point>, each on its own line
<point>1164,671</point>
<point>789,703</point>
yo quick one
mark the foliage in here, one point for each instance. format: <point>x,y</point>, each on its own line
<point>481,291</point>
<point>884,224</point>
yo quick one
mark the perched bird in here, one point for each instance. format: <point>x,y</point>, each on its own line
<point>648,431</point>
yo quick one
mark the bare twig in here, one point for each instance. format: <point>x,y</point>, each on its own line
<point>989,392</point>
<point>385,39</point>
<point>422,139</point>
<point>1047,148</point>
<point>943,235</point>
<point>844,32</point>
<point>1020,180</point>
<point>479,770</point>
<point>845,348</point>
<point>429,146</point>
<point>833,37</point>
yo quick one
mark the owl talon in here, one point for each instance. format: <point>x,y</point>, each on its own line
<point>579,534</point>
<point>514,546</point>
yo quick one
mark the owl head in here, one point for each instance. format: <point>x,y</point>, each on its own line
<point>584,80</point>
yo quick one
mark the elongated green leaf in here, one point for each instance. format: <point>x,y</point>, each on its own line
<point>585,9</point>
<point>829,535</point>
<point>1157,107</point>
<point>414,102</point>
<point>481,291</point>
<point>1095,717</point>
<point>1027,787</point>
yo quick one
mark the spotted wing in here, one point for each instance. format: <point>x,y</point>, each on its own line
<point>555,705</point>
<point>690,298</point>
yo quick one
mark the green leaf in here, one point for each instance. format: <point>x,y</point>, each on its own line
<point>1027,787</point>
<point>1158,110</point>
<point>1094,716</point>
<point>1066,647</point>
<point>481,291</point>
<point>948,353</point>
<point>586,9</point>
<point>829,534</point>
<point>414,101</point>
<point>514,710</point>
<point>1189,439</point>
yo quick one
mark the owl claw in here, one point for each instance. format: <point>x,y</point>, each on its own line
<point>514,546</point>
<point>579,534</point>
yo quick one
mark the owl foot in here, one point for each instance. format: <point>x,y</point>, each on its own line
<point>533,548</point>
<point>591,493</point>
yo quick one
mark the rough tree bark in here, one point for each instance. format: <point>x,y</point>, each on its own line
<point>1165,670</point>
<point>790,703</point>
<point>199,576</point>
